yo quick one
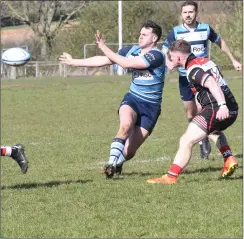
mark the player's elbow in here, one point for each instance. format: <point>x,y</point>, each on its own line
<point>125,66</point>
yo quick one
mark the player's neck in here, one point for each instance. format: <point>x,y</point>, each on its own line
<point>147,49</point>
<point>184,59</point>
<point>190,27</point>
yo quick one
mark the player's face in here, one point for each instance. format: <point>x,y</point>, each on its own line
<point>174,57</point>
<point>189,15</point>
<point>146,38</point>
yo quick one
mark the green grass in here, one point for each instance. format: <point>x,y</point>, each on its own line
<point>67,126</point>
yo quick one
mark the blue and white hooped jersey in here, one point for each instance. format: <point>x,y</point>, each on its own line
<point>147,84</point>
<point>198,38</point>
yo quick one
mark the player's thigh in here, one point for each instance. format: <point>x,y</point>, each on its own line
<point>127,115</point>
<point>136,138</point>
<point>193,134</point>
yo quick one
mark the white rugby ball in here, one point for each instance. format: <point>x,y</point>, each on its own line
<point>16,56</point>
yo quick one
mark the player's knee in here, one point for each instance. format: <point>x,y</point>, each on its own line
<point>124,130</point>
<point>190,113</point>
<point>185,141</point>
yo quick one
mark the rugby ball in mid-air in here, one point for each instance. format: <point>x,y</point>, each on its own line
<point>15,56</point>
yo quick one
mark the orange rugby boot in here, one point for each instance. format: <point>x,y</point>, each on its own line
<point>230,165</point>
<point>163,180</point>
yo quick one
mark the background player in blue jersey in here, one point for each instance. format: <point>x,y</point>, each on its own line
<point>197,34</point>
<point>141,106</point>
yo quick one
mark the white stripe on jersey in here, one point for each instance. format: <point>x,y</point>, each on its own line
<point>193,36</point>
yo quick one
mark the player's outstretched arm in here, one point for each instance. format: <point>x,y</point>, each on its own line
<point>94,61</point>
<point>224,47</point>
<point>124,62</point>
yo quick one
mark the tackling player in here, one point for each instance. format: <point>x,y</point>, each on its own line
<point>197,34</point>
<point>141,106</point>
<point>219,111</point>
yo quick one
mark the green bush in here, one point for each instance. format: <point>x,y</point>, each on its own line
<point>232,33</point>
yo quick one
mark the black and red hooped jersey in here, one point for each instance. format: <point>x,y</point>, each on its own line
<point>198,71</point>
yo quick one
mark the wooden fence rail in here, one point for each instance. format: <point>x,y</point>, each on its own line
<point>51,68</point>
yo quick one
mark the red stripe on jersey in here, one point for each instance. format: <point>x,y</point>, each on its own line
<point>197,61</point>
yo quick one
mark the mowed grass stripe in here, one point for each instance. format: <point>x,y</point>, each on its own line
<point>67,126</point>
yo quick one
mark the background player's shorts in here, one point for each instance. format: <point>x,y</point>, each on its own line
<point>147,113</point>
<point>185,87</point>
<point>207,121</point>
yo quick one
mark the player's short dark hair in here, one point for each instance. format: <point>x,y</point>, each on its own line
<point>190,3</point>
<point>181,46</point>
<point>156,29</point>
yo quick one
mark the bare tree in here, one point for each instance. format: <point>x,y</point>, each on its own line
<point>39,15</point>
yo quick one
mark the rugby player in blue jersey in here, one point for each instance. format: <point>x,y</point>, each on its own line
<point>141,106</point>
<point>219,111</point>
<point>197,34</point>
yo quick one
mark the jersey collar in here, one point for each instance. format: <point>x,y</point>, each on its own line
<point>186,27</point>
<point>189,59</point>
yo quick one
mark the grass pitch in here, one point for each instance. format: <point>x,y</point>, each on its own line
<point>67,126</point>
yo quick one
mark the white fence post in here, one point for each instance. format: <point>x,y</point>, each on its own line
<point>60,69</point>
<point>65,70</point>
<point>37,70</point>
<point>13,73</point>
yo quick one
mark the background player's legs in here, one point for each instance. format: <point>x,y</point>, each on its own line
<point>191,108</point>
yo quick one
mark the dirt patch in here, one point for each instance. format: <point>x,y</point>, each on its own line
<point>21,35</point>
<point>16,36</point>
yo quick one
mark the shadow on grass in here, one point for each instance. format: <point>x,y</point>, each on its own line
<point>232,178</point>
<point>141,174</point>
<point>47,184</point>
<point>206,170</point>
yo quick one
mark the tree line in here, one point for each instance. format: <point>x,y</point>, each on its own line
<point>48,19</point>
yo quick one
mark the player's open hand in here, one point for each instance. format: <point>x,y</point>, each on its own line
<point>65,58</point>
<point>99,39</point>
<point>222,113</point>
<point>170,65</point>
<point>237,65</point>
